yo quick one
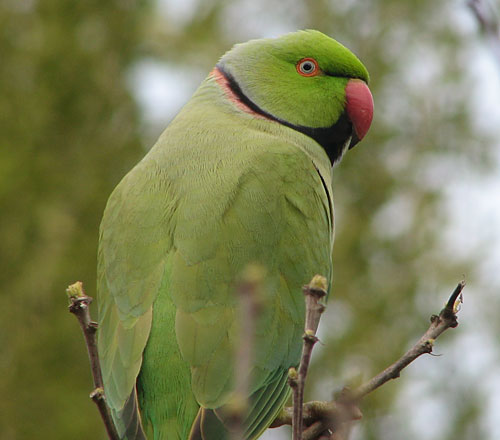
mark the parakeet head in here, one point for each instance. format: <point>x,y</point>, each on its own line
<point>306,81</point>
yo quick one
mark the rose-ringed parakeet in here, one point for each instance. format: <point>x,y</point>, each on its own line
<point>242,175</point>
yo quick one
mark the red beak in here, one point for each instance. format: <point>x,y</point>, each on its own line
<point>359,108</point>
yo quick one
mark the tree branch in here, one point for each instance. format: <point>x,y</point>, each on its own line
<point>79,306</point>
<point>488,23</point>
<point>323,416</point>
<point>446,319</point>
<point>320,418</point>
<point>313,292</point>
<point>250,296</point>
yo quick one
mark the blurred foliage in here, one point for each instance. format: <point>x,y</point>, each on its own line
<point>69,129</point>
<point>68,132</point>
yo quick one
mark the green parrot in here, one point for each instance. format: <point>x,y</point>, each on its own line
<point>241,176</point>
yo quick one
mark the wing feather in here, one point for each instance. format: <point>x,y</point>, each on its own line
<point>133,247</point>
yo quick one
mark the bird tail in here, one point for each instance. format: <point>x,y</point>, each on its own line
<point>265,404</point>
<point>128,420</point>
<point>207,426</point>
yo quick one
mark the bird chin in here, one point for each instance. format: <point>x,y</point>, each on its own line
<point>347,146</point>
<point>353,140</point>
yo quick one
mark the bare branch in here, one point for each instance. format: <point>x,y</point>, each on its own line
<point>336,415</point>
<point>489,24</point>
<point>317,410</point>
<point>79,306</point>
<point>250,302</point>
<point>313,292</point>
<point>323,420</point>
<point>446,319</point>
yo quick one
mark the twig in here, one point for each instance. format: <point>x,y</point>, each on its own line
<point>446,319</point>
<point>324,416</point>
<point>79,306</point>
<point>313,292</point>
<point>316,410</point>
<point>320,417</point>
<point>250,303</point>
<point>489,24</point>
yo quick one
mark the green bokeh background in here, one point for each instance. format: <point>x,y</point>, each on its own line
<point>71,126</point>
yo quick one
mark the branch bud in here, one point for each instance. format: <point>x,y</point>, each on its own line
<point>75,290</point>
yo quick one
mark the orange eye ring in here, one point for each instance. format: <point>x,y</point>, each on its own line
<point>307,67</point>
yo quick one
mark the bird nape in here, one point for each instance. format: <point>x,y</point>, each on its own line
<point>241,176</point>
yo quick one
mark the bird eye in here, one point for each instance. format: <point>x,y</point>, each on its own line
<point>308,67</point>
